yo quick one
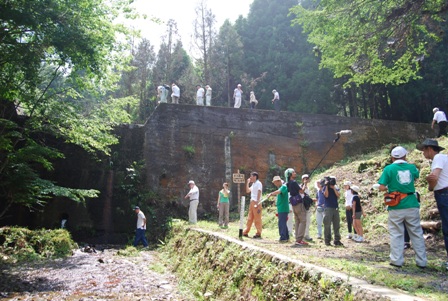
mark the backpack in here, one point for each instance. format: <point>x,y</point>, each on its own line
<point>307,202</point>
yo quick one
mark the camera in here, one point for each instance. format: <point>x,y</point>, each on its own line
<point>330,181</point>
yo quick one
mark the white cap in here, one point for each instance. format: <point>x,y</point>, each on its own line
<point>398,152</point>
<point>354,188</point>
<point>435,109</point>
<point>348,183</point>
<point>191,182</point>
<point>305,176</point>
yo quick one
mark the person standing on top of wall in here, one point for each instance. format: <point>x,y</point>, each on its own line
<point>253,101</point>
<point>208,95</point>
<point>276,100</point>
<point>176,93</point>
<point>200,95</point>
<point>237,95</point>
<point>440,118</point>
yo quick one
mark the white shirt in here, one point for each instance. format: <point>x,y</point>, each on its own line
<point>276,95</point>
<point>194,193</point>
<point>441,161</point>
<point>237,93</point>
<point>254,189</point>
<point>439,116</point>
<point>348,197</point>
<point>200,93</point>
<point>176,91</point>
<point>140,220</point>
<point>208,94</point>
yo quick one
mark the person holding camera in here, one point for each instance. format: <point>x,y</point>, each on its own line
<point>331,211</point>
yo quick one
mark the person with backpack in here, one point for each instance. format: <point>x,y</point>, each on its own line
<point>296,199</point>
<point>440,118</point>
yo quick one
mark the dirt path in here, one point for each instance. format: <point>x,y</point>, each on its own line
<point>89,276</point>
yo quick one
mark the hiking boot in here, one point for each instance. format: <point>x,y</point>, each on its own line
<point>394,265</point>
<point>338,243</point>
<point>328,244</point>
<point>308,239</point>
<point>257,236</point>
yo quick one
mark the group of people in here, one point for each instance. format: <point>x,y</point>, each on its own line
<point>397,178</point>
<point>206,94</point>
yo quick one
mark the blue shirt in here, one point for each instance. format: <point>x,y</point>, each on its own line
<point>332,200</point>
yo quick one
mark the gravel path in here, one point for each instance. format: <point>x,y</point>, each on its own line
<point>89,276</point>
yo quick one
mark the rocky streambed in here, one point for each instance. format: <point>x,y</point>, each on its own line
<point>103,275</point>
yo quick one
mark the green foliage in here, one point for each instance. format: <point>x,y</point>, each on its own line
<point>129,251</point>
<point>189,150</point>
<point>200,258</point>
<point>57,63</point>
<point>372,42</point>
<point>22,244</point>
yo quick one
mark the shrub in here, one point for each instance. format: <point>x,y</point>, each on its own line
<point>22,244</point>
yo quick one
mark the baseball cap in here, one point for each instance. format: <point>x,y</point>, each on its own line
<point>398,152</point>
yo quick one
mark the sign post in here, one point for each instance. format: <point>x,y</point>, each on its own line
<point>238,178</point>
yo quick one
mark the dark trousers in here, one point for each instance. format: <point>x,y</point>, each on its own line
<point>442,128</point>
<point>282,227</point>
<point>349,217</point>
<point>277,105</point>
<point>140,236</point>
<point>442,205</point>
<point>331,218</point>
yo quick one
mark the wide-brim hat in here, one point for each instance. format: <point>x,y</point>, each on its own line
<point>191,182</point>
<point>354,188</point>
<point>276,178</point>
<point>429,142</point>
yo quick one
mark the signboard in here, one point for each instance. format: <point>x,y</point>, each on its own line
<point>238,178</point>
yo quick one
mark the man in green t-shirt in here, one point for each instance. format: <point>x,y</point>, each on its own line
<point>282,207</point>
<point>399,177</point>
